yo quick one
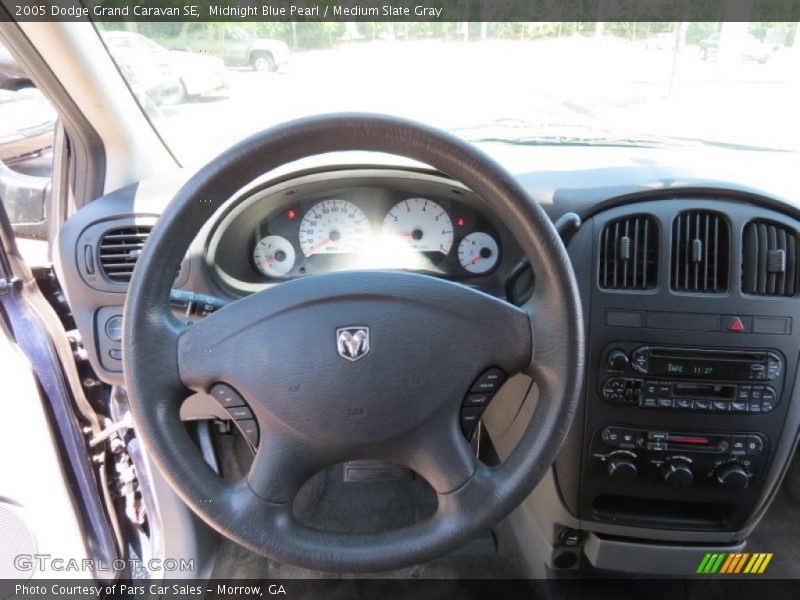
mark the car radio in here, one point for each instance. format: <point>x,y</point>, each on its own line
<point>691,379</point>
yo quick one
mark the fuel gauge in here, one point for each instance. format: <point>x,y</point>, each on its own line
<point>478,253</point>
<point>274,256</point>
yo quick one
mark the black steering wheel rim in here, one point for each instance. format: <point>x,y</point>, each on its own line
<point>156,350</point>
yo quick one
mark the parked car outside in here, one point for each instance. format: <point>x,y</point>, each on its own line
<point>235,45</point>
<point>27,122</point>
<point>753,49</point>
<point>12,76</point>
<point>164,75</point>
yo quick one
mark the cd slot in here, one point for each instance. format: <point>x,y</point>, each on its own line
<point>712,391</point>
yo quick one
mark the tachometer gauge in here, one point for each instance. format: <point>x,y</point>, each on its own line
<point>423,223</point>
<point>274,256</point>
<point>478,252</point>
<point>334,227</point>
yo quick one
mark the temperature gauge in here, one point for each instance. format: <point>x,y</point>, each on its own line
<point>478,252</point>
<point>274,256</point>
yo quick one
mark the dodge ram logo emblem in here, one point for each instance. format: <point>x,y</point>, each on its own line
<point>352,342</point>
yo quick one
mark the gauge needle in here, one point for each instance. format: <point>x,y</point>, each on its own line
<point>319,245</point>
<point>474,260</point>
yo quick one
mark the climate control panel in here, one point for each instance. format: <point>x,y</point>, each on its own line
<point>678,459</point>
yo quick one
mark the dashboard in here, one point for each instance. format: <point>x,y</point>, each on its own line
<point>690,290</point>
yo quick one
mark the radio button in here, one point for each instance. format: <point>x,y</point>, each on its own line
<point>719,406</point>
<point>766,406</point>
<point>769,395</point>
<point>683,404</point>
<point>740,406</point>
<point>701,404</point>
<point>640,359</point>
<point>657,436</point>
<point>665,403</point>
<point>657,446</point>
<point>649,403</point>
<point>650,388</point>
<point>664,388</point>
<point>743,395</point>
<point>755,407</point>
<point>757,393</point>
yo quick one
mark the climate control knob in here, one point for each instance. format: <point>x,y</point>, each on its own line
<point>678,474</point>
<point>617,360</point>
<point>621,469</point>
<point>733,477</point>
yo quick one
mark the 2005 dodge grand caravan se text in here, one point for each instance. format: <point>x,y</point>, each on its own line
<point>434,302</point>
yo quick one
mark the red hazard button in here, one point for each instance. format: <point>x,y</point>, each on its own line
<point>736,325</point>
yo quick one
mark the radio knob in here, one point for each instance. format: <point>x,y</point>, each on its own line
<point>617,360</point>
<point>733,477</point>
<point>678,474</point>
<point>621,469</point>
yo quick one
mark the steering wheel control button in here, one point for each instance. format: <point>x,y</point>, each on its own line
<point>240,413</point>
<point>469,418</point>
<point>480,400</point>
<point>227,396</point>
<point>490,381</point>
<point>115,353</point>
<point>114,328</point>
<point>249,429</point>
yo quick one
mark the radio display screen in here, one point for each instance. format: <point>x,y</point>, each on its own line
<point>697,368</point>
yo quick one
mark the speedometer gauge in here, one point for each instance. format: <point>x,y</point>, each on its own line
<point>274,256</point>
<point>478,252</point>
<point>423,223</point>
<point>334,227</point>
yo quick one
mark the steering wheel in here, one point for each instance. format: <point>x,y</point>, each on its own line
<point>429,339</point>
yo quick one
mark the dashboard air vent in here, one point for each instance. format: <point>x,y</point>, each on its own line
<point>629,254</point>
<point>769,259</point>
<point>700,252</point>
<point>119,250</point>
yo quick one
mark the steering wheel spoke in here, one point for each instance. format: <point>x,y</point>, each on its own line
<point>284,461</point>
<point>439,452</point>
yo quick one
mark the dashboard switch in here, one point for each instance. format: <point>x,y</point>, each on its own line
<point>621,469</point>
<point>617,360</point>
<point>678,474</point>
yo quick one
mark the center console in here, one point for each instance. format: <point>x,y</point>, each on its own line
<point>687,424</point>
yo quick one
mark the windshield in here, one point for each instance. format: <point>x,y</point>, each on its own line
<point>730,84</point>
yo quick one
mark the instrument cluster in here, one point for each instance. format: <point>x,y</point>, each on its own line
<point>360,219</point>
<point>337,233</point>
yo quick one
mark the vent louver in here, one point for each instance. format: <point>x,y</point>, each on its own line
<point>119,250</point>
<point>629,254</point>
<point>700,253</point>
<point>769,259</point>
